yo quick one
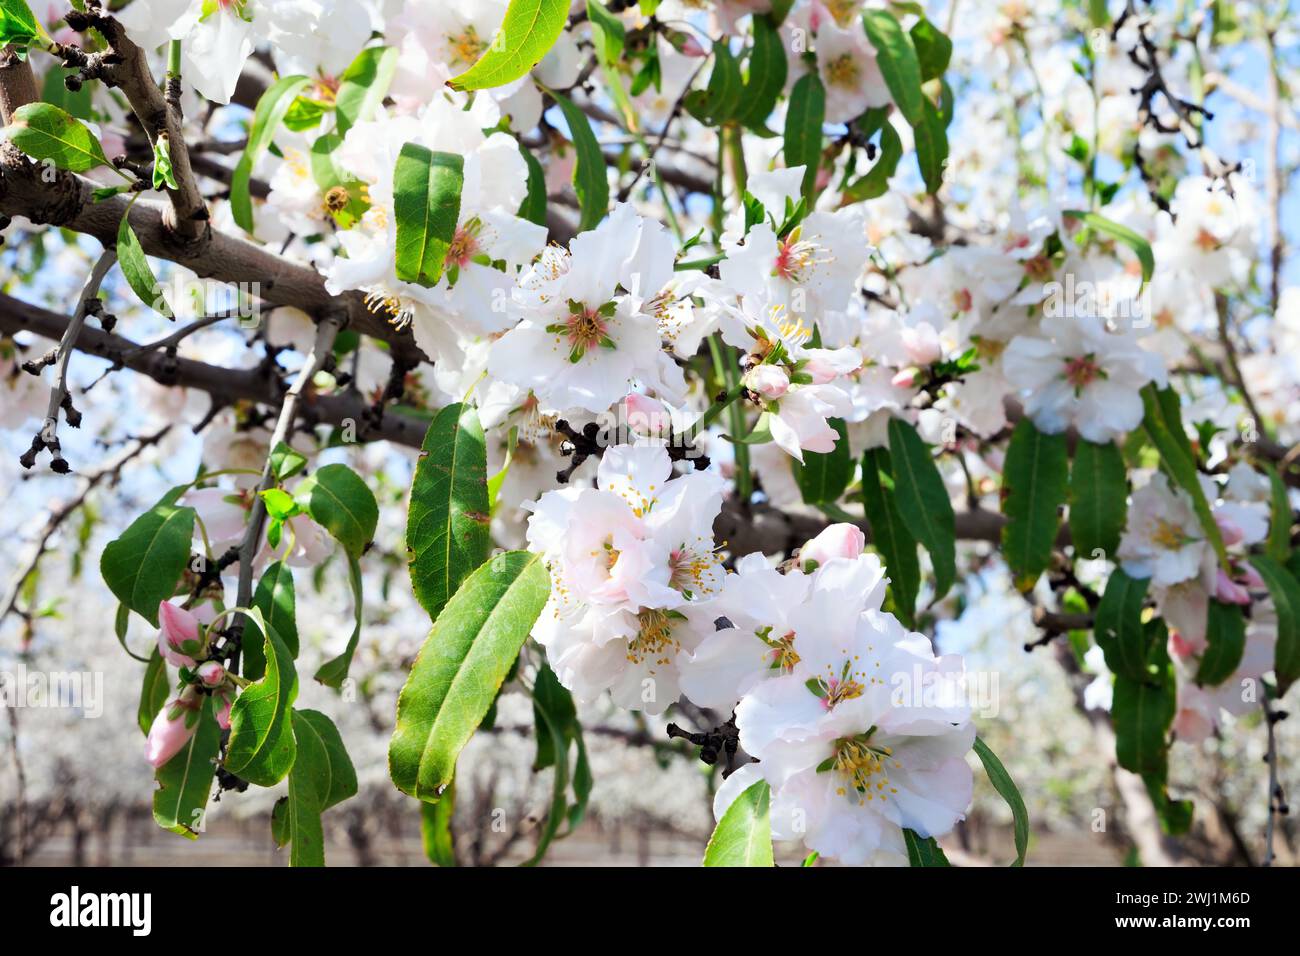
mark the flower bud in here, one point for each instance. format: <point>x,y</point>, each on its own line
<point>225,700</point>
<point>1229,530</point>
<point>1229,591</point>
<point>211,673</point>
<point>769,381</point>
<point>647,416</point>
<point>905,378</point>
<point>179,641</point>
<point>837,541</point>
<point>173,727</point>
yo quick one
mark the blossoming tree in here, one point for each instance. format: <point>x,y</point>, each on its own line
<point>720,343</point>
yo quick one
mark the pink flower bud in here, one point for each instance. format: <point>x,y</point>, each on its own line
<point>1248,576</point>
<point>173,728</point>
<point>647,416</point>
<point>211,673</point>
<point>178,635</point>
<point>769,381</point>
<point>1230,530</point>
<point>224,702</point>
<point>837,541</point>
<point>692,47</point>
<point>905,378</point>
<point>1229,591</point>
<point>1179,646</point>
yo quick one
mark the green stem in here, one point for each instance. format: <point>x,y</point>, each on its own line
<point>174,58</point>
<point>728,370</point>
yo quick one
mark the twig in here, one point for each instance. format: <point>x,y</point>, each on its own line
<point>57,516</point>
<point>48,437</point>
<point>322,349</point>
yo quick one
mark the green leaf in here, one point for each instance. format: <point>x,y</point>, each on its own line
<point>933,49</point>
<point>767,74</point>
<point>1098,498</point>
<point>270,112</point>
<point>286,462</point>
<point>805,112</point>
<point>530,29</point>
<point>1225,634</point>
<point>1006,788</point>
<point>923,851</point>
<point>436,828</point>
<point>717,103</point>
<point>461,667</point>
<point>45,132</point>
<point>889,535</point>
<point>1285,592</point>
<point>1163,424</point>
<point>135,267</point>
<point>17,24</point>
<point>1034,477</point>
<point>1142,712</point>
<point>164,177</point>
<point>931,137</point>
<point>185,781</point>
<point>447,533</point>
<point>923,501</point>
<point>338,500</point>
<point>1124,234</point>
<point>121,625</point>
<point>875,182</point>
<point>261,748</point>
<point>274,597</point>
<point>322,776</point>
<point>897,59</point>
<point>333,778</point>
<point>823,477</point>
<point>589,179</point>
<point>743,837</point>
<point>333,672</point>
<point>1118,625</point>
<point>329,176</point>
<point>1279,522</point>
<point>142,566</point>
<point>153,691</point>
<point>426,201</point>
<point>364,84</point>
<point>607,35</point>
<point>558,732</point>
<point>533,207</point>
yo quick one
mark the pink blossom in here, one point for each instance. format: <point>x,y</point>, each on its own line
<point>173,728</point>
<point>179,637</point>
<point>770,381</point>
<point>1229,591</point>
<point>646,415</point>
<point>1229,530</point>
<point>922,344</point>
<point>837,541</point>
<point>211,673</point>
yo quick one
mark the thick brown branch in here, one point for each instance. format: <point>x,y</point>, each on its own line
<point>226,385</point>
<point>229,259</point>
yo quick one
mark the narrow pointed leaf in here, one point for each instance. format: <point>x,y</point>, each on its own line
<point>923,501</point>
<point>1098,499</point>
<point>462,665</point>
<point>1035,477</point>
<point>447,534</point>
<point>426,202</point>
<point>530,29</point>
<point>185,781</point>
<point>267,117</point>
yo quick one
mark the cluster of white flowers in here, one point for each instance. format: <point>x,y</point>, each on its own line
<point>858,728</point>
